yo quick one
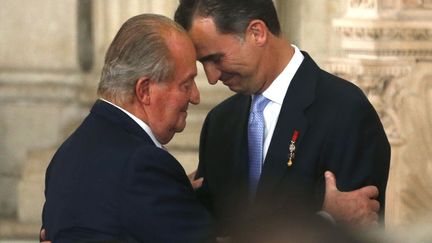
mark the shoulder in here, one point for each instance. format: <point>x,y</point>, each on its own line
<point>339,93</point>
<point>339,87</point>
<point>338,101</point>
<point>329,89</point>
<point>151,159</point>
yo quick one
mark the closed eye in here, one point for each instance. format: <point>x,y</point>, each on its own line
<point>186,86</point>
<point>215,58</point>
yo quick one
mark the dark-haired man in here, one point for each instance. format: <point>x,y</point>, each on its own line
<point>288,124</point>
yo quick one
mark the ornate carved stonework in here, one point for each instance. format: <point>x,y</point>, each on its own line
<point>376,33</point>
<point>385,37</point>
<point>417,203</point>
<point>381,83</point>
<point>388,4</point>
<point>413,171</point>
<point>388,51</point>
<point>362,4</point>
<point>419,4</point>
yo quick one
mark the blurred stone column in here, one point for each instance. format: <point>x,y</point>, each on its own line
<point>388,53</point>
<point>40,75</point>
<point>308,24</point>
<point>107,18</point>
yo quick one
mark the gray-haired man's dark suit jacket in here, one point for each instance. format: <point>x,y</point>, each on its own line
<point>109,182</point>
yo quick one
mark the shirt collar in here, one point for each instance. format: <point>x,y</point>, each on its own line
<point>278,88</point>
<point>141,123</point>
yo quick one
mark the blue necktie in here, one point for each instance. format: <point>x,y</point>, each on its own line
<point>256,141</point>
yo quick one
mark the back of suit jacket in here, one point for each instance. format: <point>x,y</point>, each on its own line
<point>338,130</point>
<point>108,181</point>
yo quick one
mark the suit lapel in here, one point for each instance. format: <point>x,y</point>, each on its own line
<point>239,138</point>
<point>299,96</point>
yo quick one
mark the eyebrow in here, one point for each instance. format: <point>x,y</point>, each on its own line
<point>210,57</point>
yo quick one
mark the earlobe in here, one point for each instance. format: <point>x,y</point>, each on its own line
<point>142,90</point>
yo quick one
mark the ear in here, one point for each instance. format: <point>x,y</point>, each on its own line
<point>142,90</point>
<point>257,31</point>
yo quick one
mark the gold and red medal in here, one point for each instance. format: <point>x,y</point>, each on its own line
<point>292,148</point>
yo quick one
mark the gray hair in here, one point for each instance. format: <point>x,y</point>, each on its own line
<point>139,49</point>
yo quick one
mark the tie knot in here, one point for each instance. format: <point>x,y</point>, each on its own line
<point>259,103</point>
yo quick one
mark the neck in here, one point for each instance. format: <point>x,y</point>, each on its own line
<point>280,52</point>
<point>131,107</point>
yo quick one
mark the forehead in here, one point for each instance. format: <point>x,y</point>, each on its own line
<point>183,52</point>
<point>180,42</point>
<point>203,33</point>
<point>207,39</point>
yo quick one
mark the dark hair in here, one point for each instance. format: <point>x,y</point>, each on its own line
<point>229,16</point>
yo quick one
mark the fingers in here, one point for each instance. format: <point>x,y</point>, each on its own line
<point>368,213</point>
<point>374,205</point>
<point>370,220</point>
<point>330,181</point>
<point>42,235</point>
<point>374,222</point>
<point>374,218</point>
<point>370,191</point>
<point>191,176</point>
<point>197,183</point>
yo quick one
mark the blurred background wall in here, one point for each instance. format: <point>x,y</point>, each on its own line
<point>51,53</point>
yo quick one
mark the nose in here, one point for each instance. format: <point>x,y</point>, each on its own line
<point>195,95</point>
<point>212,72</point>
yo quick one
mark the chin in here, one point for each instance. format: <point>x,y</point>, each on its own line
<point>167,138</point>
<point>239,90</point>
<point>180,128</point>
<point>181,124</point>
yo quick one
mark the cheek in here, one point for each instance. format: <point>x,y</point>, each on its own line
<point>234,66</point>
<point>177,108</point>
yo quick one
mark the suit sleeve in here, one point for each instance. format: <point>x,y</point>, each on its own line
<point>159,204</point>
<point>357,149</point>
<point>203,192</point>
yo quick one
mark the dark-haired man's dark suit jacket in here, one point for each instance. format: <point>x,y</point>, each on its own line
<point>109,182</point>
<point>338,128</point>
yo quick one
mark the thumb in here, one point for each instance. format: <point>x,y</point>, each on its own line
<point>42,235</point>
<point>196,184</point>
<point>330,181</point>
<point>192,175</point>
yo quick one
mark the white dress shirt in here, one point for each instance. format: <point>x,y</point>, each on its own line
<point>142,124</point>
<point>276,94</point>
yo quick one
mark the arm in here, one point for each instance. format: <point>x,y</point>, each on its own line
<point>159,204</point>
<point>359,154</point>
<point>203,192</point>
<point>355,208</point>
